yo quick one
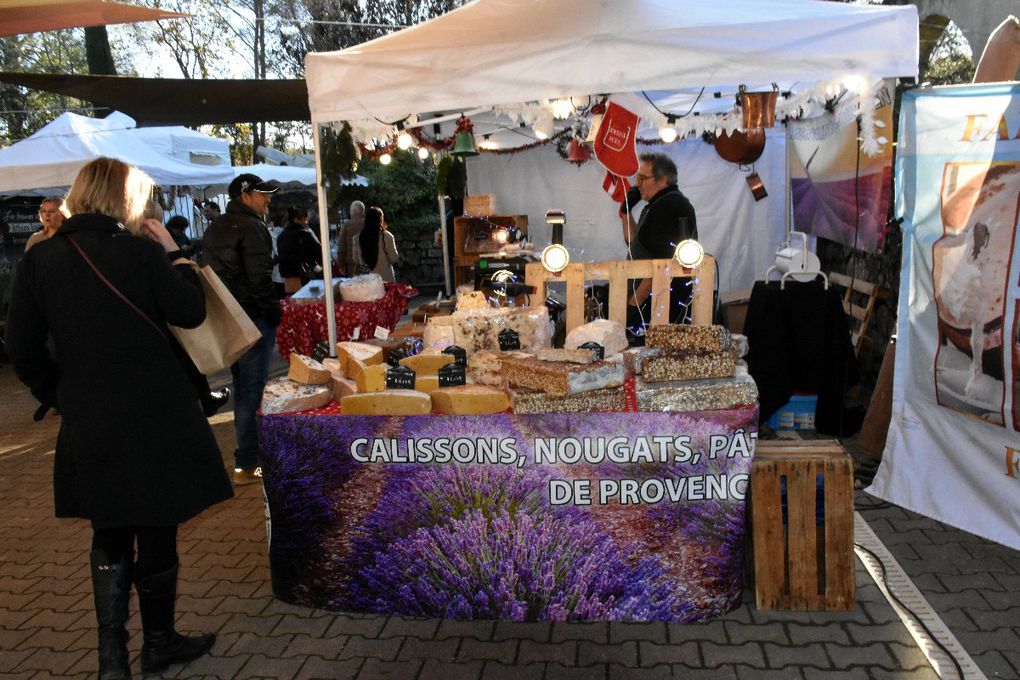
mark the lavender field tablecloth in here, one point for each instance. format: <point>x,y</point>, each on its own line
<point>604,516</point>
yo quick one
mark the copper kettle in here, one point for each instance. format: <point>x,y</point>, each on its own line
<point>759,108</point>
<point>739,147</point>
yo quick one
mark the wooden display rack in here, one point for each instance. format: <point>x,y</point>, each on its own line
<point>618,273</point>
<point>800,564</point>
<point>465,245</point>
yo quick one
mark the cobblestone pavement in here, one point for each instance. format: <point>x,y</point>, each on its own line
<point>47,626</point>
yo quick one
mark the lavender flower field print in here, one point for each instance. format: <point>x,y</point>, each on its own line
<point>609,516</point>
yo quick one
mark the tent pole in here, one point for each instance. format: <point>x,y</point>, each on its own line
<point>327,260</point>
<point>442,243</point>
<point>789,197</point>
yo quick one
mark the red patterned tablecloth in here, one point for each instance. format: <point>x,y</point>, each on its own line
<point>304,321</point>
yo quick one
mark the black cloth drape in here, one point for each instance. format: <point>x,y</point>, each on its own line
<point>799,341</point>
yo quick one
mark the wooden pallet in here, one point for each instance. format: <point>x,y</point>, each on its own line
<point>617,273</point>
<point>799,564</point>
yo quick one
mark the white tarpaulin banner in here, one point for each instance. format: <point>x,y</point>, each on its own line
<point>953,451</point>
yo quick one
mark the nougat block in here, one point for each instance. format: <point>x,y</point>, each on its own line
<point>696,395</point>
<point>675,337</point>
<point>524,400</point>
<point>561,377</point>
<point>687,366</point>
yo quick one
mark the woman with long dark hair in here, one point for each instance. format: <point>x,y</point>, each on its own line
<point>376,249</point>
<point>134,454</point>
<point>299,251</point>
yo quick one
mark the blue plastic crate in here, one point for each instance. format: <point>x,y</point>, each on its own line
<point>796,414</point>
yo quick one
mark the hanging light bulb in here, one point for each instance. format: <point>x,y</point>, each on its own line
<point>689,253</point>
<point>562,108</point>
<point>488,144</point>
<point>543,127</point>
<point>667,133</point>
<point>404,141</point>
<point>423,153</point>
<point>385,159</point>
<point>555,258</point>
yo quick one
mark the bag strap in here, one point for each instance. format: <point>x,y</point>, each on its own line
<point>113,287</point>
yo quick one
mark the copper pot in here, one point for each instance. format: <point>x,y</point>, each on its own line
<point>742,148</point>
<point>759,108</point>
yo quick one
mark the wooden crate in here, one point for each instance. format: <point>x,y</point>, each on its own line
<point>617,273</point>
<point>800,564</point>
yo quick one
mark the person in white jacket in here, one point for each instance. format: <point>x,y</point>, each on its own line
<point>375,249</point>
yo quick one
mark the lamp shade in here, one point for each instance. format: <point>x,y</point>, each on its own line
<point>689,253</point>
<point>555,258</point>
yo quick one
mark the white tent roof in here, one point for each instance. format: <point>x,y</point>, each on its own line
<point>503,52</point>
<point>186,144</point>
<point>53,155</point>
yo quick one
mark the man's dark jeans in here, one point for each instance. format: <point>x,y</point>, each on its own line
<point>250,374</point>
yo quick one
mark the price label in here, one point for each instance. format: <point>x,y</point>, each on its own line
<point>452,375</point>
<point>321,350</point>
<point>356,333</point>
<point>382,333</point>
<point>400,378</point>
<point>395,356</point>
<point>598,350</point>
<point>509,340</point>
<point>459,355</point>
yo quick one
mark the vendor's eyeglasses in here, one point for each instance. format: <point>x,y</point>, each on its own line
<point>641,178</point>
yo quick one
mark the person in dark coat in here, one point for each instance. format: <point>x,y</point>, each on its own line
<point>134,454</point>
<point>300,254</point>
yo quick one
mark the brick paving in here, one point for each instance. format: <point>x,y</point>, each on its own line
<point>47,627</point>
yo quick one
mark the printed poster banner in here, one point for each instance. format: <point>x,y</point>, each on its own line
<point>953,450</point>
<point>830,177</point>
<point>605,516</point>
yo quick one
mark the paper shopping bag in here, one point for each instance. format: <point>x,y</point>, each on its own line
<point>227,332</point>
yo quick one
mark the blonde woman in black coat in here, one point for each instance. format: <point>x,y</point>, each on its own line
<point>134,454</point>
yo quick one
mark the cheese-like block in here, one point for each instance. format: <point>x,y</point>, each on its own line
<point>676,337</point>
<point>386,344</point>
<point>574,356</point>
<point>533,401</point>
<point>307,370</point>
<point>483,377</point>
<point>469,400</point>
<point>560,377</point>
<point>333,365</point>
<point>388,403</point>
<point>610,334</point>
<point>474,300</point>
<point>342,386</point>
<point>366,288</point>
<point>349,352</point>
<point>283,395</point>
<point>426,383</point>
<point>372,378</point>
<point>427,364</point>
<point>687,366</point>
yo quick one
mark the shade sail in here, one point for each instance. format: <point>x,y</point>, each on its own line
<point>53,155</point>
<point>179,101</point>
<point>32,16</point>
<point>493,52</point>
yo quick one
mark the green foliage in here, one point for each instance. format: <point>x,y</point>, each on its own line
<point>953,69</point>
<point>239,134</point>
<point>405,190</point>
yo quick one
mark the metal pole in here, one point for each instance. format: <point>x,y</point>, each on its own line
<point>327,260</point>
<point>446,252</point>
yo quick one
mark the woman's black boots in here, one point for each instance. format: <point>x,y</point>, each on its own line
<point>111,588</point>
<point>162,644</point>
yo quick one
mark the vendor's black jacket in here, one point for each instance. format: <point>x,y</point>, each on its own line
<point>667,220</point>
<point>299,251</point>
<point>238,247</point>
<point>134,447</point>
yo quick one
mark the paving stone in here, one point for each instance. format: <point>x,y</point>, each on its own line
<point>360,647</point>
<point>440,670</point>
<point>833,632</point>
<point>653,631</point>
<point>243,623</point>
<point>260,666</point>
<point>555,671</point>
<point>47,638</point>
<point>493,670</point>
<point>875,654</point>
<point>213,666</point>
<point>374,669</point>
<point>750,673</point>
<point>317,668</point>
<point>397,626</point>
<point>862,635</point>
<point>682,632</point>
<point>653,654</point>
<point>439,650</point>
<point>56,662</point>
<point>699,673</point>
<point>305,645</point>
<point>564,653</point>
<point>596,631</point>
<point>749,653</point>
<point>780,656</point>
<point>247,643</point>
<point>908,656</point>
<point>15,618</point>
<point>997,663</point>
<point>617,672</point>
<point>836,674</point>
<point>504,651</point>
<point>302,624</point>
<point>738,633</point>
<point>591,653</point>
<point>350,625</point>
<point>539,631</point>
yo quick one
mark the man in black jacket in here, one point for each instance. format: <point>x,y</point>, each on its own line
<point>667,219</point>
<point>238,247</point>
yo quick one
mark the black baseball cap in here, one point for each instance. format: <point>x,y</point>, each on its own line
<point>248,182</point>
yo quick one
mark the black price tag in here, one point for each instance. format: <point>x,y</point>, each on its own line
<point>598,350</point>
<point>321,351</point>
<point>452,375</point>
<point>400,378</point>
<point>395,356</point>
<point>509,340</point>
<point>459,355</point>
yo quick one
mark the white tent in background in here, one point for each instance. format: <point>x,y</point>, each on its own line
<point>51,157</point>
<point>185,144</point>
<point>290,176</point>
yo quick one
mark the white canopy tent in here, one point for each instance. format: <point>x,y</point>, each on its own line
<point>494,55</point>
<point>184,144</point>
<point>51,157</point>
<point>290,176</point>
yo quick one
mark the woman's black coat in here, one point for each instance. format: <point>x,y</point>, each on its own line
<point>134,447</point>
